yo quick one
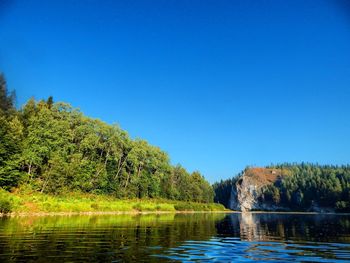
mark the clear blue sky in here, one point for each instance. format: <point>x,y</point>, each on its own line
<point>219,85</point>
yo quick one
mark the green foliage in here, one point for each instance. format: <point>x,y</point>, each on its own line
<point>5,206</point>
<point>6,202</point>
<point>11,137</point>
<point>55,149</point>
<point>27,201</point>
<point>190,206</point>
<point>271,195</point>
<point>311,185</point>
<point>223,190</point>
<point>342,206</point>
<point>6,98</point>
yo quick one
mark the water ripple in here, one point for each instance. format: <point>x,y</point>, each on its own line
<point>182,237</point>
<point>234,250</point>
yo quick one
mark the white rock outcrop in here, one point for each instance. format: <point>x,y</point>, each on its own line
<point>246,193</point>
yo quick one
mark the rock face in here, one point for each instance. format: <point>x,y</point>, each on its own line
<point>246,193</point>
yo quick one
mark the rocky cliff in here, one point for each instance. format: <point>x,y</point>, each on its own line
<point>246,193</point>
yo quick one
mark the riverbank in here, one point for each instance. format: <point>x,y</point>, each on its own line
<point>97,213</point>
<point>34,203</point>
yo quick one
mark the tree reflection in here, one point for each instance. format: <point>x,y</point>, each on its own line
<point>99,238</point>
<point>270,227</point>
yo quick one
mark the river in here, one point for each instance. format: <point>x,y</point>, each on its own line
<point>248,237</point>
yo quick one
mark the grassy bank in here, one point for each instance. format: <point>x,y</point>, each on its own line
<point>34,202</point>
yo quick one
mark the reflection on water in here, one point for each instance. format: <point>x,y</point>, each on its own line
<point>181,237</point>
<point>272,237</point>
<point>99,238</point>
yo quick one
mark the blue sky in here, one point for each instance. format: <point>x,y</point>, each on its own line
<point>219,85</point>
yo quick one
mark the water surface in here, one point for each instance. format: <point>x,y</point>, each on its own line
<point>244,237</point>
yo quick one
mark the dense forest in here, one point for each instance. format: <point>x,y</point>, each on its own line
<point>306,187</point>
<point>311,185</point>
<point>222,190</point>
<point>53,148</point>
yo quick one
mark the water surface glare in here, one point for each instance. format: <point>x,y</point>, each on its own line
<point>207,237</point>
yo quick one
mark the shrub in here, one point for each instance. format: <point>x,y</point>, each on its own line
<point>95,206</point>
<point>183,207</point>
<point>342,206</point>
<point>137,207</point>
<point>6,205</point>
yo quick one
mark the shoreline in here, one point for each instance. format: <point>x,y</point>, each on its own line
<point>98,213</point>
<point>93,213</point>
<point>295,212</point>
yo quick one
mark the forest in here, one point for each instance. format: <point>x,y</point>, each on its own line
<point>53,148</point>
<point>223,188</point>
<point>311,185</point>
<point>306,187</point>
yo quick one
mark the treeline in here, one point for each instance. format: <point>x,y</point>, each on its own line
<point>54,148</point>
<point>223,189</point>
<point>311,186</point>
<point>305,187</point>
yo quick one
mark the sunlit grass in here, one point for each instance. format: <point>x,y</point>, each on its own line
<point>25,201</point>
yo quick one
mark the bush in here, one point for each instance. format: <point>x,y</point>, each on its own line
<point>95,206</point>
<point>190,206</point>
<point>5,206</point>
<point>137,207</point>
<point>342,206</point>
<point>5,202</point>
<point>183,207</point>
